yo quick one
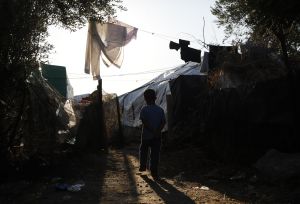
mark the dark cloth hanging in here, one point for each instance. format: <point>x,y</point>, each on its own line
<point>187,54</point>
<point>190,54</point>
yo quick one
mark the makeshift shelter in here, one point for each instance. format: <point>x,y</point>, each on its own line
<point>36,120</point>
<point>89,134</point>
<point>246,109</point>
<point>132,102</point>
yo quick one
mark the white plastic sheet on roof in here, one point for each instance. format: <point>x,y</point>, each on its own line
<point>132,102</point>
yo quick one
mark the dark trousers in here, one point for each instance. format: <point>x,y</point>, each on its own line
<point>154,146</point>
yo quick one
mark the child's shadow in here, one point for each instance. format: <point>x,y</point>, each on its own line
<point>167,192</point>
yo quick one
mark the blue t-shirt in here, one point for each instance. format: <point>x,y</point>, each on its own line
<point>154,116</point>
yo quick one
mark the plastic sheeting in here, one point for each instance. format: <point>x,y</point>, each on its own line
<point>36,119</point>
<point>132,102</point>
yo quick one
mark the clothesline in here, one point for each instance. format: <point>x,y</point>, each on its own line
<point>106,79</point>
<point>126,74</point>
<point>169,38</point>
<point>106,42</point>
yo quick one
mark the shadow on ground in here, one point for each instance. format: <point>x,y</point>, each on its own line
<point>111,178</point>
<point>87,168</point>
<point>192,168</point>
<point>167,192</point>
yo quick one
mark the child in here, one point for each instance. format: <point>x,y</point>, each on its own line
<point>153,119</point>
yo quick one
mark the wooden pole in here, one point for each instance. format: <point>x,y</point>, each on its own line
<point>99,87</point>
<point>102,123</point>
<point>119,123</point>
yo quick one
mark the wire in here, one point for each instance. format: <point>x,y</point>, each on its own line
<point>137,73</point>
<point>80,78</point>
<point>163,36</point>
<point>203,30</point>
<point>203,44</point>
<point>118,75</point>
<point>169,38</point>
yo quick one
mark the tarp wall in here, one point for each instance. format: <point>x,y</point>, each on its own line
<point>132,102</point>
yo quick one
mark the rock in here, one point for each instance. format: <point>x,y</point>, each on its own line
<point>275,166</point>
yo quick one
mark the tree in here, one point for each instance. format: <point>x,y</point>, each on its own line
<point>269,20</point>
<point>24,26</point>
<point>272,22</point>
<point>23,32</point>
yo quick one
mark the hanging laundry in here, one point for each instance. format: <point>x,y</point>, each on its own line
<point>106,41</point>
<point>186,53</point>
<point>190,54</point>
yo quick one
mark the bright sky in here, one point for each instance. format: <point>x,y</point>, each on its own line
<point>158,22</point>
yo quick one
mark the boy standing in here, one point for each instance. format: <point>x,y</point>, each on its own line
<point>153,119</point>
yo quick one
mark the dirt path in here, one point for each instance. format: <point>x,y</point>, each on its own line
<point>113,177</point>
<point>124,184</point>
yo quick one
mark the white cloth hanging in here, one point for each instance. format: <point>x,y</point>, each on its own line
<point>106,41</point>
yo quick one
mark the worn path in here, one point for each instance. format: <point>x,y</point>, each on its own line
<point>113,177</point>
<point>123,183</point>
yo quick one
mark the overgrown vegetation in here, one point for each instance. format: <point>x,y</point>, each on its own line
<point>23,32</point>
<point>270,23</point>
<point>24,27</point>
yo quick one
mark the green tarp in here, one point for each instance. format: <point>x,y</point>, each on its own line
<point>56,76</point>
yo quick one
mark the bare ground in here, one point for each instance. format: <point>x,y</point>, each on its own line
<point>113,177</point>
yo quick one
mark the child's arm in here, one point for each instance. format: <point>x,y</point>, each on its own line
<point>162,125</point>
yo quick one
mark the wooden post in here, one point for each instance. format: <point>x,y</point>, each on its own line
<point>119,123</point>
<point>102,123</point>
<point>99,87</point>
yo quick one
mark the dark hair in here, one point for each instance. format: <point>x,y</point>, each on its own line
<point>149,95</point>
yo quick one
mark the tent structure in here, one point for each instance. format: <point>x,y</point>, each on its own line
<point>132,102</point>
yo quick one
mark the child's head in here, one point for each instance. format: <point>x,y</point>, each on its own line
<point>149,96</point>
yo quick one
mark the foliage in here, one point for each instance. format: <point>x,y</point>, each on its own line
<point>271,22</point>
<point>23,32</point>
<point>24,26</point>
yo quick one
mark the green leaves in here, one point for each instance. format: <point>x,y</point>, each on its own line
<point>24,25</point>
<point>264,20</point>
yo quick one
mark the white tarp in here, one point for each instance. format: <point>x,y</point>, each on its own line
<point>132,102</point>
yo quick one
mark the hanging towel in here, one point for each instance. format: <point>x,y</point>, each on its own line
<point>106,41</point>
